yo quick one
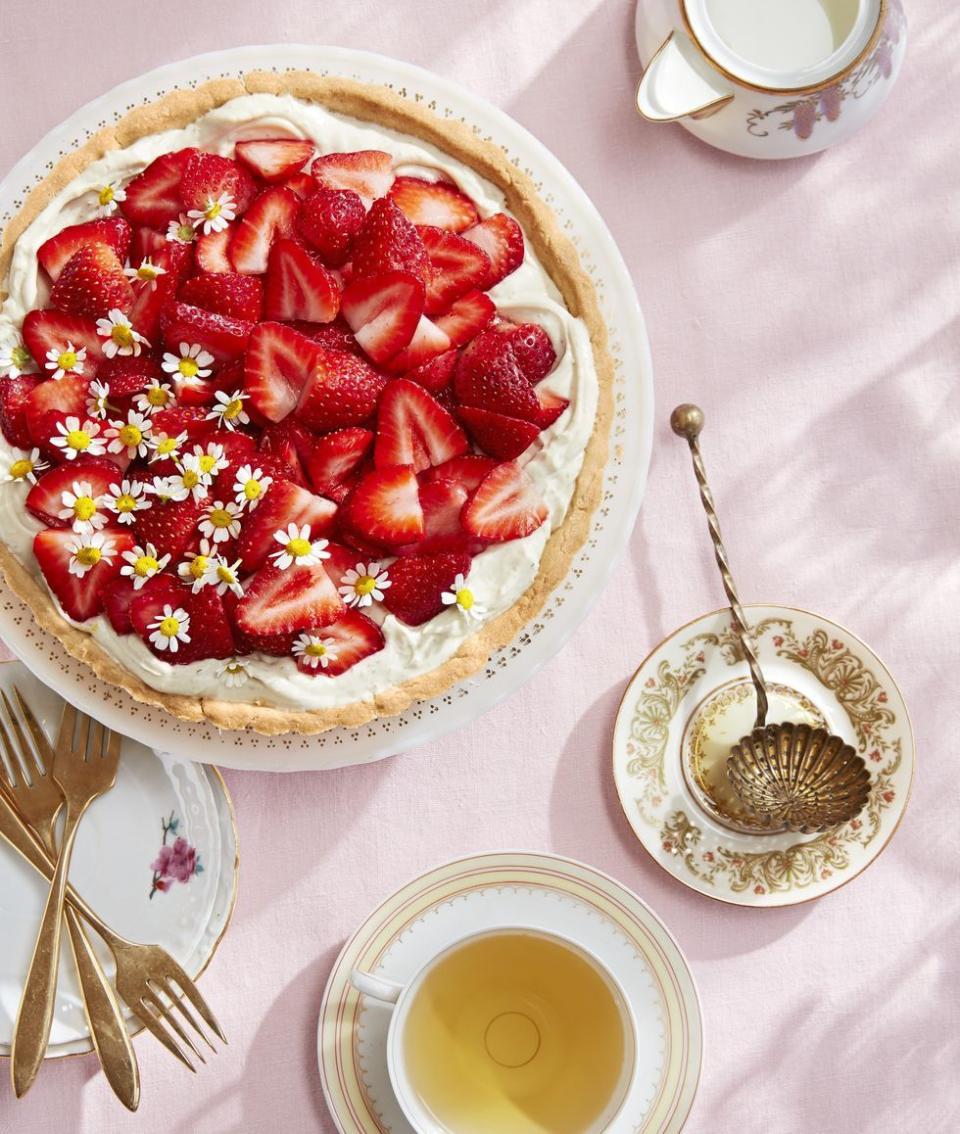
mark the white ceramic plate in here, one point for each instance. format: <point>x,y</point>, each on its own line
<point>696,682</point>
<point>538,891</point>
<point>118,841</point>
<point>625,475</point>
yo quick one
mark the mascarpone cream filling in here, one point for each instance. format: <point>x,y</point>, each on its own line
<point>498,575</point>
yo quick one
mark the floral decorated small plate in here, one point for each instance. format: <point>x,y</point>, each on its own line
<point>691,699</point>
<point>156,857</point>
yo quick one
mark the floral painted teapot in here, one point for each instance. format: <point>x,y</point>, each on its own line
<point>768,78</point>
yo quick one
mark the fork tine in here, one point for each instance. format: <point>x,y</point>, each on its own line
<point>24,753</point>
<point>41,742</point>
<point>178,978</point>
<point>151,1018</point>
<point>82,736</point>
<point>97,743</point>
<point>114,740</point>
<point>152,1000</point>
<point>166,987</point>
<point>11,765</point>
<point>68,719</point>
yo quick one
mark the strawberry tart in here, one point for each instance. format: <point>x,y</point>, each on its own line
<point>304,401</point>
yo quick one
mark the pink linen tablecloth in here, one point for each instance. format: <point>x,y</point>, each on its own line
<point>813,308</point>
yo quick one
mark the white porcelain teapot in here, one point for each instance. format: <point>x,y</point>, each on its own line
<point>768,78</point>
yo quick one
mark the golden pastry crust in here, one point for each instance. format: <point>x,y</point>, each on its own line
<point>380,104</point>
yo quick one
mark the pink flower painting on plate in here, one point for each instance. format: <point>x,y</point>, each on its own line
<point>176,861</point>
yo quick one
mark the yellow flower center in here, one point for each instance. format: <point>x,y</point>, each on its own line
<point>188,367</point>
<point>464,598</point>
<point>213,209</point>
<point>147,272</point>
<point>185,232</point>
<point>365,585</point>
<point>207,463</point>
<point>233,409</point>
<point>106,195</point>
<point>131,435</point>
<point>67,360</point>
<point>84,507</point>
<point>252,489</point>
<point>198,566</point>
<point>88,556</point>
<point>157,396</point>
<point>145,566</point>
<point>77,439</point>
<point>167,446</point>
<point>298,547</point>
<point>20,356</point>
<point>126,502</point>
<point>191,478</point>
<point>315,650</point>
<point>225,575</point>
<point>170,627</point>
<point>220,518</point>
<point>122,335</point>
<point>21,469</point>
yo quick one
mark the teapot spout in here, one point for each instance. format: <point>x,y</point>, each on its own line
<point>677,84</point>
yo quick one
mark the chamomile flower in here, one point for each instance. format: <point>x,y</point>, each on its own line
<point>66,360</point>
<point>297,547</point>
<point>121,338</point>
<point>147,272</point>
<point>108,197</point>
<point>131,436</point>
<point>364,584</point>
<point>85,511</point>
<point>75,438</point>
<point>314,651</point>
<point>192,362</point>
<point>215,215</point>
<point>195,569</point>
<point>461,596</point>
<point>157,396</point>
<point>250,485</point>
<point>127,498</point>
<point>142,563</point>
<point>225,576</point>
<point>188,480</point>
<point>20,465</point>
<point>170,628</point>
<point>233,673</point>
<point>165,445</point>
<point>97,394</point>
<point>14,358</point>
<point>221,521</point>
<point>229,409</point>
<point>181,230</point>
<point>211,461</point>
<point>86,551</point>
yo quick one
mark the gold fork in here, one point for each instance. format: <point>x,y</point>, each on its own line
<point>145,973</point>
<point>29,783</point>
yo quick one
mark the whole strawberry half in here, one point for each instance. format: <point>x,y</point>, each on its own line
<point>506,505</point>
<point>79,595</point>
<point>368,173</point>
<point>209,177</point>
<point>417,584</point>
<point>457,266</point>
<point>389,242</point>
<point>384,508</point>
<point>45,498</point>
<point>171,526</point>
<point>53,330</point>
<point>14,395</point>
<point>226,293</point>
<point>328,221</point>
<point>414,429</point>
<point>286,600</point>
<point>298,286</point>
<point>347,641</point>
<point>488,377</point>
<point>91,283</point>
<point>437,203</point>
<point>271,217</point>
<point>283,504</point>
<point>54,252</point>
<point>274,159</point>
<point>501,238</point>
<point>153,196</point>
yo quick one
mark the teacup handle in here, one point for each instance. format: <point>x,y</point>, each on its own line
<point>386,991</point>
<point>678,83</point>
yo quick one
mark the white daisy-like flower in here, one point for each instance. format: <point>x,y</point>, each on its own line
<point>157,396</point>
<point>233,673</point>
<point>170,628</point>
<point>195,569</point>
<point>192,362</point>
<point>147,272</point>
<point>165,445</point>
<point>84,510</point>
<point>225,576</point>
<point>215,215</point>
<point>131,436</point>
<point>297,547</point>
<point>250,485</point>
<point>14,358</point>
<point>461,596</point>
<point>364,584</point>
<point>20,465</point>
<point>229,409</point>
<point>181,230</point>
<point>108,197</point>
<point>315,651</point>
<point>97,404</point>
<point>211,460</point>
<point>142,563</point>
<point>188,480</point>
<point>121,338</point>
<point>126,498</point>
<point>221,521</point>
<point>86,551</point>
<point>75,438</point>
<point>69,360</point>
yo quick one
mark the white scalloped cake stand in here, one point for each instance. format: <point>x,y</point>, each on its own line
<point>625,475</point>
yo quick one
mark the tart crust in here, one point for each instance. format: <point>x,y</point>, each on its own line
<point>370,103</point>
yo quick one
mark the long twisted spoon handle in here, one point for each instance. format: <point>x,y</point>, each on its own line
<point>687,421</point>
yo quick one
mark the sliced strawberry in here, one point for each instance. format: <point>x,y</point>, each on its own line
<point>66,396</point>
<point>383,312</point>
<point>414,429</point>
<point>153,196</point>
<point>489,378</point>
<point>226,293</point>
<point>442,502</point>
<point>551,407</point>
<point>506,505</point>
<point>502,239</point>
<point>189,419</point>
<point>341,560</point>
<point>278,601</point>
<point>152,296</point>
<point>329,220</point>
<point>212,252</point>
<point>57,250</point>
<point>278,363</point>
<point>436,374</point>
<point>369,173</point>
<point>532,348</point>
<point>457,266</point>
<point>284,503</point>
<point>14,396</point>
<point>171,525</point>
<point>335,456</point>
<point>341,390</point>
<point>45,498</point>
<point>271,217</point>
<point>146,608</point>
<point>92,282</point>
<point>466,318</point>
<point>302,184</point>
<point>281,445</point>
<point>211,635</point>
<point>388,242</point>
<point>275,159</point>
<point>352,638</point>
<point>118,596</point>
<point>385,507</point>
<point>299,286</point>
<point>437,203</point>
<point>336,336</point>
<point>145,242</point>
<point>225,338</point>
<point>497,434</point>
<point>46,330</point>
<point>207,177</point>
<point>467,471</point>
<point>79,596</point>
<point>427,343</point>
<point>417,583</point>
